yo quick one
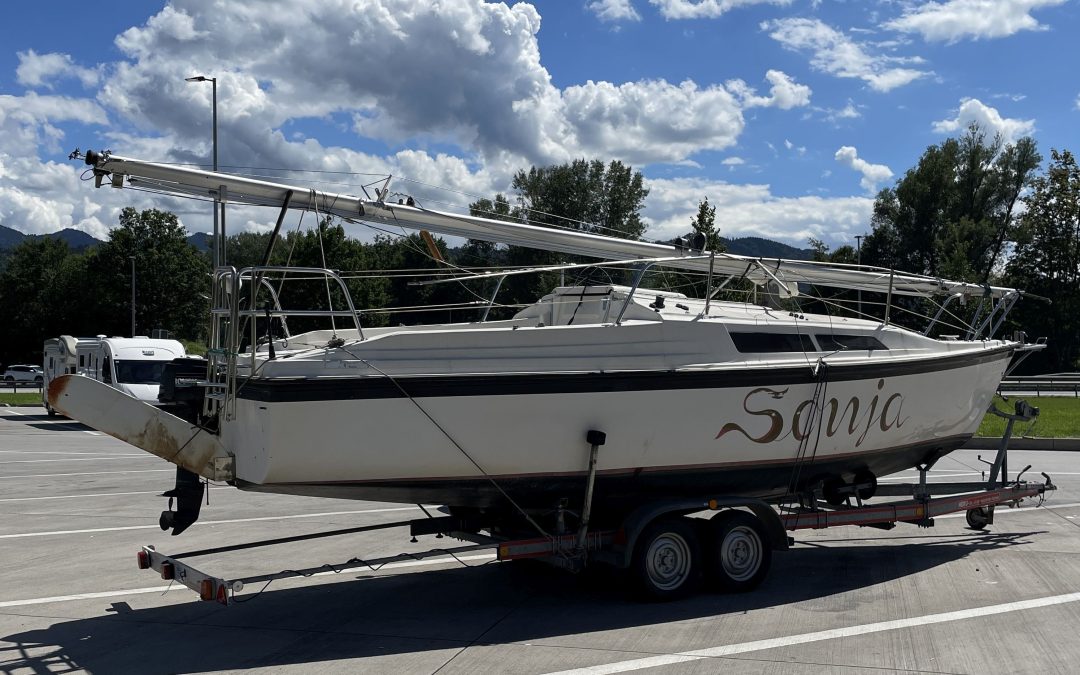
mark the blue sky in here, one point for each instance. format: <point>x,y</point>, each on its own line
<point>788,115</point>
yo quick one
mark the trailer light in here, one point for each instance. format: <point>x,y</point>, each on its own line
<point>223,595</point>
<point>144,560</point>
<point>206,589</point>
<point>168,571</point>
<point>713,505</point>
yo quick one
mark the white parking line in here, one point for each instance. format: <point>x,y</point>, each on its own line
<point>88,473</point>
<point>176,587</point>
<point>96,494</point>
<point>80,459</point>
<point>72,452</point>
<point>205,522</point>
<point>817,636</point>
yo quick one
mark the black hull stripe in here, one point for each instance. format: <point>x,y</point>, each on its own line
<point>426,386</point>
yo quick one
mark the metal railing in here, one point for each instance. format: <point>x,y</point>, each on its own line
<point>1040,384</point>
<point>235,313</point>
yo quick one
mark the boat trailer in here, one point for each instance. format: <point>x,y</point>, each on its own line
<point>741,533</point>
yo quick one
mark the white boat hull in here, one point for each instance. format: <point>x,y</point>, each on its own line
<point>730,431</point>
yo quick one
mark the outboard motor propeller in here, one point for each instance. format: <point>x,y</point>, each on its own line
<point>189,494</point>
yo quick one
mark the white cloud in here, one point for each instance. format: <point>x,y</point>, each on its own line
<point>835,53</point>
<point>752,210</point>
<point>705,9</point>
<point>466,77</point>
<point>651,121</point>
<point>973,110</point>
<point>955,20</point>
<point>732,162</point>
<point>614,10</point>
<point>495,98</point>
<point>848,112</point>
<point>800,149</point>
<point>872,174</point>
<point>28,122</point>
<point>785,93</point>
<point>39,70</point>
<point>1078,102</point>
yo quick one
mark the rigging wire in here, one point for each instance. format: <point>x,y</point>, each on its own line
<point>453,442</point>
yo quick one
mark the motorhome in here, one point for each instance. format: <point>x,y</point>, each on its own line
<point>132,365</point>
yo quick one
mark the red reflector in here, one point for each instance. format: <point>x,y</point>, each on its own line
<point>168,571</point>
<point>144,560</point>
<point>222,595</point>
<point>619,537</point>
<point>206,590</point>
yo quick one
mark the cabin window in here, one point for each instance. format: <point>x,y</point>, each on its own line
<point>833,342</point>
<point>82,360</point>
<point>760,343</point>
<point>106,371</point>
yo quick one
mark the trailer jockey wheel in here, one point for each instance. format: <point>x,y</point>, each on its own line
<point>739,553</point>
<point>978,518</point>
<point>667,559</point>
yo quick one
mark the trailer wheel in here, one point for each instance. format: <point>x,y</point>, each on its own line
<point>667,559</point>
<point>977,518</point>
<point>48,409</point>
<point>740,554</point>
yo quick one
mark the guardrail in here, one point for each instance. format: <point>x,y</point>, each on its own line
<point>13,387</point>
<point>1060,382</point>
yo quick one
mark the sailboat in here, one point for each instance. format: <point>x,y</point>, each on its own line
<point>687,396</point>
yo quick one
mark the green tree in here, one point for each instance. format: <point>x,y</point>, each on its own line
<point>704,222</point>
<point>951,214</point>
<point>32,293</point>
<point>172,279</point>
<point>1046,261</point>
<point>581,195</point>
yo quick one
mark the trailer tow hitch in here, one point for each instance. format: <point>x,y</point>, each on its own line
<point>188,493</point>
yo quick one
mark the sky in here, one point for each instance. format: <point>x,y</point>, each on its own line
<point>787,115</point>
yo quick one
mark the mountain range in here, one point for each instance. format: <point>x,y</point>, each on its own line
<point>79,240</point>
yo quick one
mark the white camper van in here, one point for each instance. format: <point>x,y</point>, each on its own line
<point>132,365</point>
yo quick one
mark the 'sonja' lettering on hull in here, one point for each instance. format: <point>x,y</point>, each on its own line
<point>846,419</point>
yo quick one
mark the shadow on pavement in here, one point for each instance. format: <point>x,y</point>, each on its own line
<point>419,613</point>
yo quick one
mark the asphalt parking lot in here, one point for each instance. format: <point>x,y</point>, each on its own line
<point>75,506</point>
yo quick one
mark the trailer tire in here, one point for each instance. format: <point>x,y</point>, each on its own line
<point>667,562</point>
<point>977,519</point>
<point>739,553</point>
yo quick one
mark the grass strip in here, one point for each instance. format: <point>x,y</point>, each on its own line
<point>1059,417</point>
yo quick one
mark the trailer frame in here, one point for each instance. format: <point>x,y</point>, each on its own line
<point>622,546</point>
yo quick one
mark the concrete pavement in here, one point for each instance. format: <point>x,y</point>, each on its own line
<point>75,506</point>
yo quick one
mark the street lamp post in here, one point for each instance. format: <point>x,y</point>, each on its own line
<point>132,295</point>
<point>219,234</point>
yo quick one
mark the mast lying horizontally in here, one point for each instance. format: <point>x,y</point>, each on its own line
<point>188,182</point>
